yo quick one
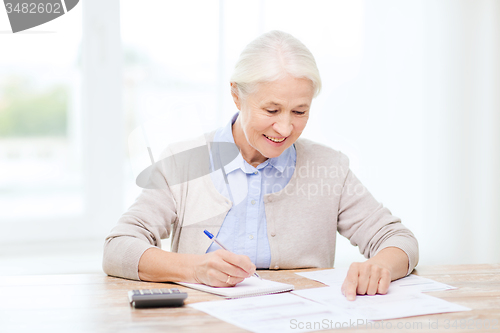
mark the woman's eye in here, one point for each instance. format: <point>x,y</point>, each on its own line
<point>299,112</point>
<point>272,111</point>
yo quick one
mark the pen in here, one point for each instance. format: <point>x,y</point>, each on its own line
<point>222,246</point>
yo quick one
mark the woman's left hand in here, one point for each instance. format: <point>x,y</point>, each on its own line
<point>366,279</point>
<point>375,275</point>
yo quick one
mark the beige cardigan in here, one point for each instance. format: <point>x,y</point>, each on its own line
<point>322,197</point>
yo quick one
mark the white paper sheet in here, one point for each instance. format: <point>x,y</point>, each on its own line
<point>277,313</point>
<point>335,277</point>
<point>395,304</point>
<point>420,284</point>
<point>330,277</point>
<point>327,308</point>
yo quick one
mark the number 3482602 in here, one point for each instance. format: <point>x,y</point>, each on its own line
<point>33,8</point>
<point>472,324</point>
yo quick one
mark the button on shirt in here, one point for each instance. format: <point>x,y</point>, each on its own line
<point>244,230</point>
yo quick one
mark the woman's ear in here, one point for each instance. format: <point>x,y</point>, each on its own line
<point>236,97</point>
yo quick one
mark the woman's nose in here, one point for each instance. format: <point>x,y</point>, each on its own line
<point>283,126</point>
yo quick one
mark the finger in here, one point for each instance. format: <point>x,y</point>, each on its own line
<point>218,263</point>
<point>240,265</point>
<point>225,269</point>
<point>364,279</point>
<point>216,271</point>
<point>385,282</point>
<point>231,281</point>
<point>243,262</point>
<point>373,284</point>
<point>350,283</point>
<point>217,278</point>
<point>221,279</point>
<point>236,272</point>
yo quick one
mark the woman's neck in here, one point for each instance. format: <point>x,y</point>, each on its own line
<point>251,155</point>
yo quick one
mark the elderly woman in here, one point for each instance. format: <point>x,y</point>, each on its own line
<point>277,204</point>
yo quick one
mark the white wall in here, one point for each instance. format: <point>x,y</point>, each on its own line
<point>423,123</point>
<point>376,116</point>
<point>462,131</point>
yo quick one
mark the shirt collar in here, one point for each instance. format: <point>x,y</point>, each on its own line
<point>284,160</point>
<point>225,134</point>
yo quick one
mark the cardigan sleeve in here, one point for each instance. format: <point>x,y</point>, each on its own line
<point>141,227</point>
<point>368,224</point>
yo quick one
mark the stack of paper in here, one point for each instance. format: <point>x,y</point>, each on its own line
<point>326,307</point>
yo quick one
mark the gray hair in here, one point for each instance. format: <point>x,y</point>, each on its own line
<point>270,57</point>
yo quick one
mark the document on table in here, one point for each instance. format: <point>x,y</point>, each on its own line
<point>321,308</point>
<point>330,277</point>
<point>395,304</point>
<point>277,313</point>
<point>417,283</point>
<point>403,299</point>
<point>327,308</point>
<point>335,277</point>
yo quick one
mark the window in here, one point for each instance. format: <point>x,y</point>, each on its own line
<point>41,179</point>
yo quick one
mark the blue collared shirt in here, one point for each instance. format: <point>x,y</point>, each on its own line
<point>244,230</point>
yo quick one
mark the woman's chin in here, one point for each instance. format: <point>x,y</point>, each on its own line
<point>272,153</point>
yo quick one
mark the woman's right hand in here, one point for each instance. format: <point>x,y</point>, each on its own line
<point>222,268</point>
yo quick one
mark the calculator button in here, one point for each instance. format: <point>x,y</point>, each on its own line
<point>165,291</point>
<point>175,291</point>
<point>136,292</point>
<point>156,291</point>
<point>146,292</point>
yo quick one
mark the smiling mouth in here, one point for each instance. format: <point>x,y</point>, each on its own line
<point>275,139</point>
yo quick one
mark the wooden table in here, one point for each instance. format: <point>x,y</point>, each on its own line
<point>98,303</point>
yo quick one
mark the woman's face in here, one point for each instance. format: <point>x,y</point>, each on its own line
<point>272,118</point>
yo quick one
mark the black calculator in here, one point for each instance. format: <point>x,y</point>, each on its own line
<point>149,298</point>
